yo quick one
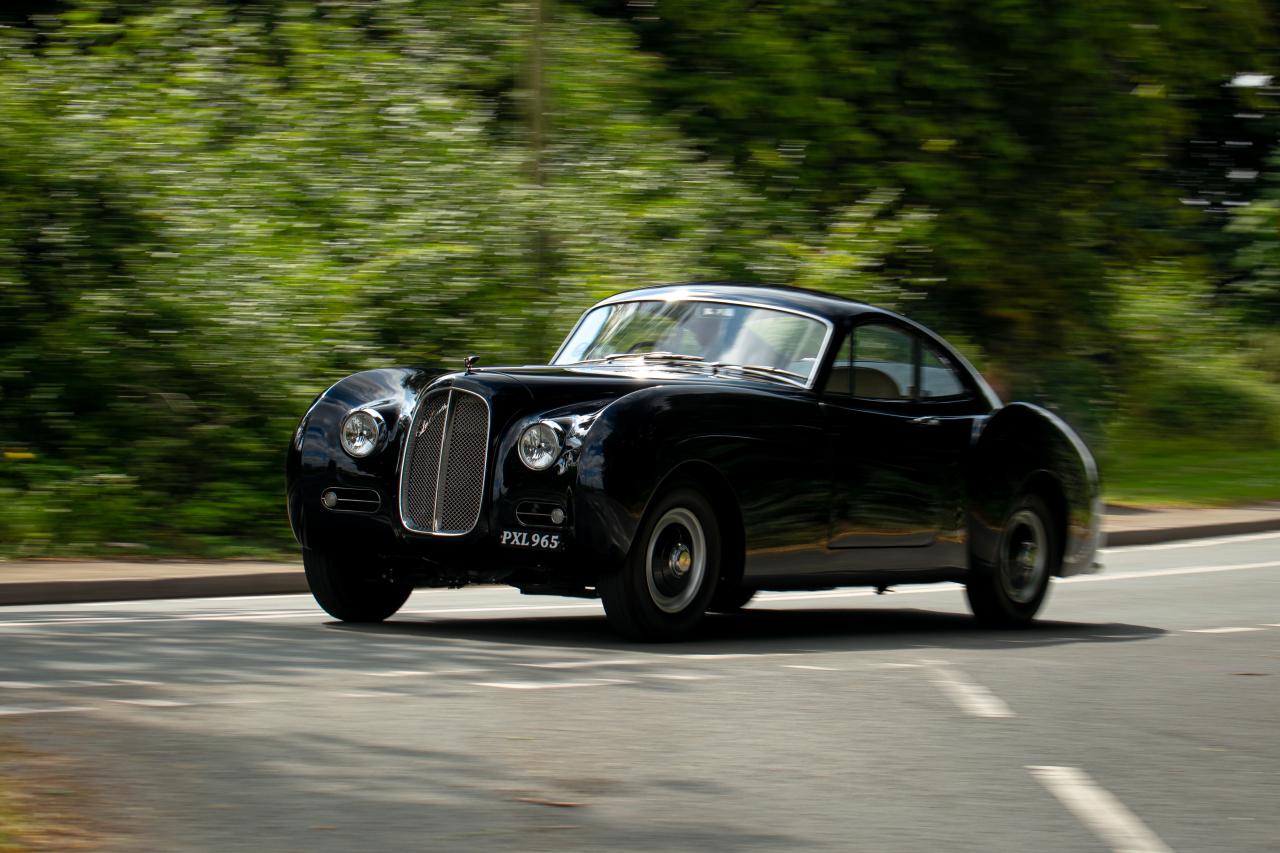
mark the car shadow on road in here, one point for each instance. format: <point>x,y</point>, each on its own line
<point>763,630</point>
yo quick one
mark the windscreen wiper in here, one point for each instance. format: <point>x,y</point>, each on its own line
<point>643,356</point>
<point>763,370</point>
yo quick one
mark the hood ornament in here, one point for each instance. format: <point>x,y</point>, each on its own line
<point>469,362</point>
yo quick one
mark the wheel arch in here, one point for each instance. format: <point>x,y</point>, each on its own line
<point>1025,449</point>
<point>1046,486</point>
<point>715,485</point>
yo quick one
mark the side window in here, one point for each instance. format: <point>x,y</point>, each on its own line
<point>938,376</point>
<point>838,379</point>
<point>883,363</point>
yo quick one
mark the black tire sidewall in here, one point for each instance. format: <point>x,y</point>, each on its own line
<point>347,591</point>
<point>987,596</point>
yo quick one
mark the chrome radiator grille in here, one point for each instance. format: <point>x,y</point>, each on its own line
<point>442,474</point>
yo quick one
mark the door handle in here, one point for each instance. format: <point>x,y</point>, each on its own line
<point>926,421</point>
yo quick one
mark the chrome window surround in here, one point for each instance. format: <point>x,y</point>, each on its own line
<point>682,297</point>
<point>444,447</point>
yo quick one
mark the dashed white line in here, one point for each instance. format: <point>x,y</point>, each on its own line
<point>808,666</point>
<point>969,696</point>
<point>13,711</point>
<point>153,703</point>
<point>1229,630</point>
<point>414,673</point>
<point>1098,809</point>
<point>550,685</point>
<point>577,664</point>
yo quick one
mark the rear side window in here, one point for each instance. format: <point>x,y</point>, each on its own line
<point>938,376</point>
<point>883,363</point>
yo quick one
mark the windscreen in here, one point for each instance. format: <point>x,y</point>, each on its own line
<point>715,332</point>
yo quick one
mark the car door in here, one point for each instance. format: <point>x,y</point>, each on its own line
<point>897,431</point>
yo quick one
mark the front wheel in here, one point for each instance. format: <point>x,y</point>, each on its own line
<point>350,590</point>
<point>1010,592</point>
<point>663,589</point>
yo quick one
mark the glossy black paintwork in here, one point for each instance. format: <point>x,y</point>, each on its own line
<point>813,491</point>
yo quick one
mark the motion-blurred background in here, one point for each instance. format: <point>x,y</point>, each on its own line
<point>210,210</point>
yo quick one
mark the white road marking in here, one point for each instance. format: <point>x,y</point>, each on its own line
<point>806,666</point>
<point>1219,630</point>
<point>62,685</point>
<point>969,696</point>
<point>250,616</point>
<point>679,676</point>
<point>1192,543</point>
<point>577,664</point>
<point>503,609</point>
<point>1098,809</point>
<point>550,685</point>
<point>1164,573</point>
<point>13,711</point>
<point>1271,624</point>
<point>412,673</point>
<point>153,703</point>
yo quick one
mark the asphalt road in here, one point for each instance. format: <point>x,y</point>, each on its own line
<point>1142,714</point>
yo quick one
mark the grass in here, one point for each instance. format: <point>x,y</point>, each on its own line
<point>1186,473</point>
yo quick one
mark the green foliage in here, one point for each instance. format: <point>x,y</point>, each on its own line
<point>1046,137</point>
<point>210,210</point>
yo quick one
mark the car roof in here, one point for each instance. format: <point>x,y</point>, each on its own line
<point>825,305</point>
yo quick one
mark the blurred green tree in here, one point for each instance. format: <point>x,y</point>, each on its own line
<point>1048,139</point>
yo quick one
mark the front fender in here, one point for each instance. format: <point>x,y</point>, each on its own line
<point>1023,448</point>
<point>765,449</point>
<point>316,458</point>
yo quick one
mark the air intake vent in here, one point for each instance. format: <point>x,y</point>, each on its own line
<point>443,471</point>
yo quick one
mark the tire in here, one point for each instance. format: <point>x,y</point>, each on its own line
<point>347,590</point>
<point>1009,593</point>
<point>663,589</point>
<point>731,599</point>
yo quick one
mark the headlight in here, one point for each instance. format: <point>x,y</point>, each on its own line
<point>360,432</point>
<point>540,445</point>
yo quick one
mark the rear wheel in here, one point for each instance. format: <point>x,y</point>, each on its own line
<point>350,589</point>
<point>1010,592</point>
<point>663,589</point>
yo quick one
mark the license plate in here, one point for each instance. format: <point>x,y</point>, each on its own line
<point>530,539</point>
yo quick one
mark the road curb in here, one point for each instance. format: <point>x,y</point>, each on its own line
<point>293,581</point>
<point>137,589</point>
<point>1157,535</point>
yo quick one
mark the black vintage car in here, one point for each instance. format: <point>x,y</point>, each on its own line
<point>686,447</point>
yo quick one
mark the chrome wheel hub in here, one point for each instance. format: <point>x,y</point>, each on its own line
<point>675,560</point>
<point>681,559</point>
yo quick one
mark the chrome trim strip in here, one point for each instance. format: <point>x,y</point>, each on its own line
<point>404,457</point>
<point>442,462</point>
<point>684,297</point>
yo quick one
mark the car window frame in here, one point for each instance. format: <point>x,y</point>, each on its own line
<point>920,339</point>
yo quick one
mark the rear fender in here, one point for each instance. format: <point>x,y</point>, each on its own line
<point>1025,449</point>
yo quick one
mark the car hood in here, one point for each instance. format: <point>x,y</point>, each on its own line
<point>549,387</point>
